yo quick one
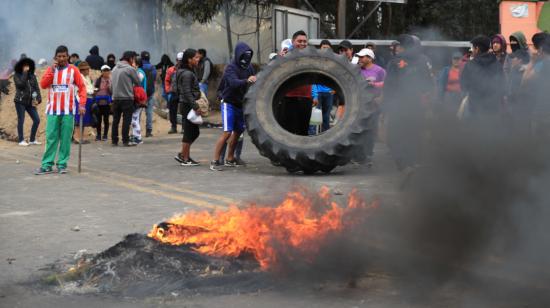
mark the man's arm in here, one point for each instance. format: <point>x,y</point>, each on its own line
<point>233,80</point>
<point>206,73</point>
<point>47,79</point>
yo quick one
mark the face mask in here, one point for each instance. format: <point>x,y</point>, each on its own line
<point>245,59</point>
<point>514,46</point>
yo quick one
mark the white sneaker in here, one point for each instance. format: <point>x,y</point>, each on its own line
<point>23,143</point>
<point>35,143</point>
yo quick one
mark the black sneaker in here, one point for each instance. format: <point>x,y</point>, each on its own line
<point>230,163</point>
<point>43,170</point>
<point>62,170</point>
<point>240,162</point>
<point>173,130</point>
<point>189,163</point>
<point>216,166</point>
<point>179,158</point>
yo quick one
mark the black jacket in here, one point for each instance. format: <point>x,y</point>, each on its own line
<point>483,80</point>
<point>408,82</point>
<point>188,87</point>
<point>25,83</point>
<point>94,60</point>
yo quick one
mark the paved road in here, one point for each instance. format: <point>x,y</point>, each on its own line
<point>127,190</point>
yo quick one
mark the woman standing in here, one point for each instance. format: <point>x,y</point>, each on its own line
<point>84,69</point>
<point>103,100</point>
<point>27,96</point>
<point>188,93</point>
<point>135,137</point>
<point>163,66</point>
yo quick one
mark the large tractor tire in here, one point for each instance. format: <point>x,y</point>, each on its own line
<point>309,154</point>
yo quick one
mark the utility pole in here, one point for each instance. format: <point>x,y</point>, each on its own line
<point>228,29</point>
<point>341,19</point>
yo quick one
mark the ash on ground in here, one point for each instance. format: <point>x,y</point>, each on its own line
<point>141,267</point>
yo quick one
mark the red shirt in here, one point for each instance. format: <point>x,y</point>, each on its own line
<point>303,91</point>
<point>453,83</point>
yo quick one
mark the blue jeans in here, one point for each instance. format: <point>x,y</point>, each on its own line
<point>204,88</point>
<point>149,113</point>
<point>31,110</point>
<point>325,104</point>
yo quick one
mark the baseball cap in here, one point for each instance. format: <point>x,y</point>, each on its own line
<point>179,56</point>
<point>366,52</point>
<point>105,68</point>
<point>345,44</point>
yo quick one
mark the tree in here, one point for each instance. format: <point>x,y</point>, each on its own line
<point>453,19</point>
<point>204,11</point>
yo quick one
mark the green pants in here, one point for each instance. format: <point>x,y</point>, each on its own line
<point>59,130</point>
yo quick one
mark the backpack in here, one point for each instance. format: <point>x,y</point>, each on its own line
<point>150,80</point>
<point>140,97</point>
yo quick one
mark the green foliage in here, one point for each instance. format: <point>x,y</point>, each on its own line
<point>453,19</point>
<point>204,10</point>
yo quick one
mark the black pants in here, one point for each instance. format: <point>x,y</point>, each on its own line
<point>31,110</point>
<point>294,113</point>
<point>123,108</point>
<point>103,113</point>
<point>191,131</point>
<point>173,110</point>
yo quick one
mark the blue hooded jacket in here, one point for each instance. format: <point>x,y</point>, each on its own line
<point>234,82</point>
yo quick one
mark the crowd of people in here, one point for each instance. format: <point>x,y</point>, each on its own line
<point>485,81</point>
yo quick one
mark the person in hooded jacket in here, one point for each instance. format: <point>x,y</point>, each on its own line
<point>188,92</point>
<point>535,85</point>
<point>408,85</point>
<point>27,96</point>
<point>164,64</point>
<point>237,77</point>
<point>111,61</point>
<point>483,80</point>
<point>499,47</point>
<point>94,59</point>
<point>518,44</point>
<point>123,80</point>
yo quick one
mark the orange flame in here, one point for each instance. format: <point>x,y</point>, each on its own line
<point>301,222</point>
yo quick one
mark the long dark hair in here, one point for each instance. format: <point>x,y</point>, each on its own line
<point>187,54</point>
<point>165,60</point>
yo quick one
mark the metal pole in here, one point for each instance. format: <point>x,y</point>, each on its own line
<point>81,128</point>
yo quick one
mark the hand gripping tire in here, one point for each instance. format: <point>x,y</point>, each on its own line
<point>309,154</point>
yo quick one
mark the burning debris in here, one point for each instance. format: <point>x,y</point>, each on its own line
<point>297,228</point>
<point>228,251</point>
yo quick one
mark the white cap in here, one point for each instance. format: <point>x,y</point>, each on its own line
<point>366,52</point>
<point>179,56</point>
<point>286,44</point>
<point>105,68</point>
<point>272,55</point>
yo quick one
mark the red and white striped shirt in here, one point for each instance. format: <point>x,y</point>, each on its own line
<point>62,84</point>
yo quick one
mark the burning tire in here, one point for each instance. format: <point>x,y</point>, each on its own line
<point>309,154</point>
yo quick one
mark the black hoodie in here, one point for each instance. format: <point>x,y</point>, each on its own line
<point>483,80</point>
<point>25,83</point>
<point>94,60</point>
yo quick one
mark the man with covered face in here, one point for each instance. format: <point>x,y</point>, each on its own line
<point>235,82</point>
